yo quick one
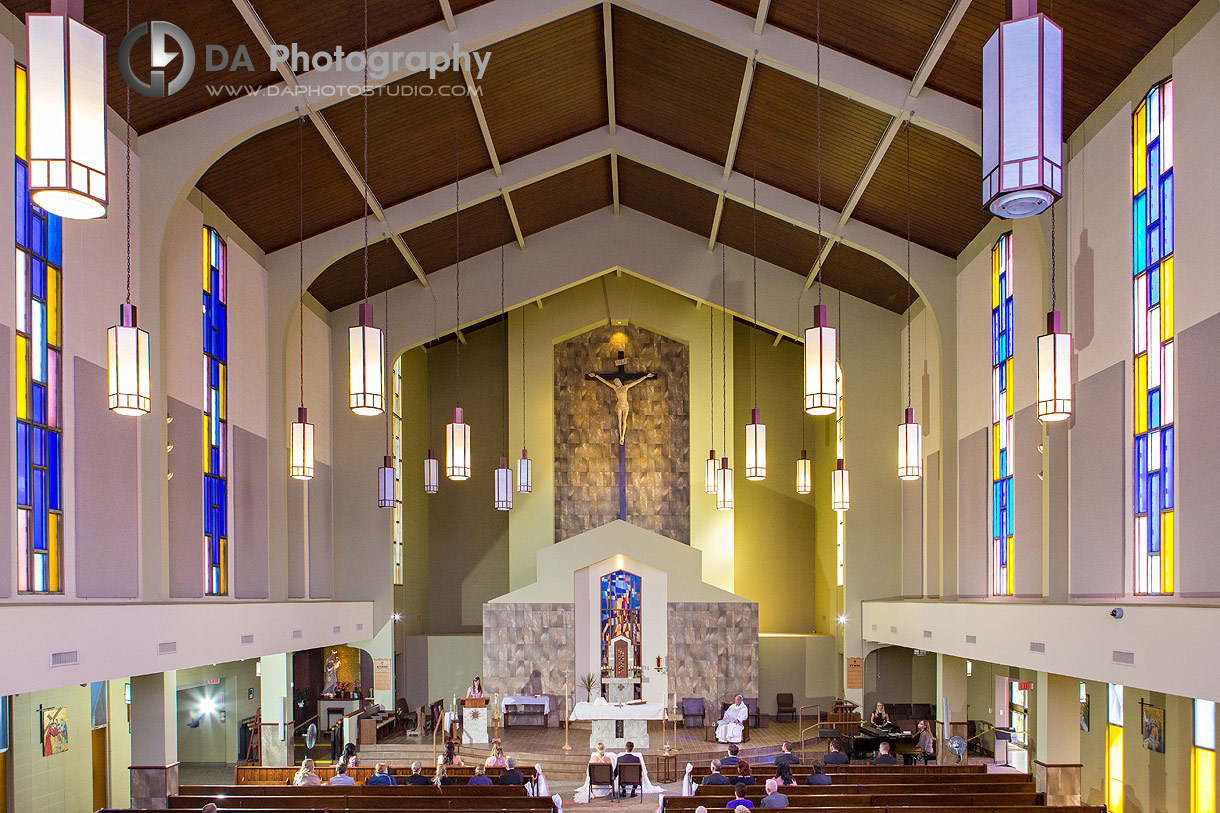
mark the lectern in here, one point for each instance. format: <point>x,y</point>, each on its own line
<point>474,720</point>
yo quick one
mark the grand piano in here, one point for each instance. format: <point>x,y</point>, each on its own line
<point>863,746</point>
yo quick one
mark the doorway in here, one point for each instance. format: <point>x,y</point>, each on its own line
<point>100,778</point>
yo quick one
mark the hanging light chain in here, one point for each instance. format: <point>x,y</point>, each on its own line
<point>301,247</point>
<point>457,245</point>
<point>819,96</point>
<point>365,202</point>
<point>504,318</point>
<point>1052,256</point>
<point>389,445</point>
<point>724,341</point>
<point>754,334</point>
<point>909,261</point>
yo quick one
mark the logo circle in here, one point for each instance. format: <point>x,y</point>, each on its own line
<point>160,58</point>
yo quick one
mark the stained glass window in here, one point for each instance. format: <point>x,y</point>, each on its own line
<point>396,430</point>
<point>1001,417</point>
<point>215,413</point>
<point>1203,759</point>
<point>37,268</point>
<point>1153,333</point>
<point>1114,749</point>
<point>620,616</point>
<point>840,516</point>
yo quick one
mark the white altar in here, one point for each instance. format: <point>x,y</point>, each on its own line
<point>616,723</point>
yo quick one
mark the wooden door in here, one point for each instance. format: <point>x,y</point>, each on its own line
<point>100,783</point>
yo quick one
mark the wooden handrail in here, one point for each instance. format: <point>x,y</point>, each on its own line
<point>307,722</point>
<point>817,718</point>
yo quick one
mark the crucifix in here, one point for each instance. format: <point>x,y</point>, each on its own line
<point>621,381</point>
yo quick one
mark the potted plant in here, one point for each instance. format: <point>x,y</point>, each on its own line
<point>588,683</point>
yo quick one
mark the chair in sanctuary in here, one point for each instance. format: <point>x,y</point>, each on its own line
<point>631,774</point>
<point>752,707</point>
<point>692,710</point>
<point>601,773</point>
<point>784,705</point>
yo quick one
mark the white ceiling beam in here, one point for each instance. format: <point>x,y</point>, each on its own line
<point>614,180</point>
<point>608,40</point>
<point>323,249</point>
<point>447,11</point>
<point>265,39</point>
<point>473,92</point>
<point>939,43</point>
<point>739,120</point>
<point>512,216</point>
<point>760,18</point>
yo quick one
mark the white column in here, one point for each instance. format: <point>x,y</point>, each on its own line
<point>275,691</point>
<point>154,739</point>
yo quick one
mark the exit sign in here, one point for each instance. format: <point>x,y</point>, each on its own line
<point>1025,685</point>
<point>213,681</point>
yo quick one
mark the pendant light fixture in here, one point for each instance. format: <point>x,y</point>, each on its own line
<point>129,378</point>
<point>712,465</point>
<point>387,477</point>
<point>365,344</point>
<point>431,464</point>
<point>504,474</point>
<point>910,437</point>
<point>1054,358</point>
<point>525,466</point>
<point>804,470</point>
<point>457,434</point>
<point>821,345</point>
<point>840,490</point>
<point>67,113</point>
<point>724,474</point>
<point>1023,114</point>
<point>756,431</point>
<point>300,435</point>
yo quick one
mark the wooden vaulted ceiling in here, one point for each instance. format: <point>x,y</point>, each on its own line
<point>548,84</point>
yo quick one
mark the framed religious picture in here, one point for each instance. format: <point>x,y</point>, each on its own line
<point>53,724</point>
<point>1152,728</point>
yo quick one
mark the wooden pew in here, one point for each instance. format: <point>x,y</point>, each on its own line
<point>260,775</point>
<point>370,801</point>
<point>803,791</point>
<point>479,791</point>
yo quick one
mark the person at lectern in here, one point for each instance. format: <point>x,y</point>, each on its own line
<point>476,689</point>
<point>730,726</point>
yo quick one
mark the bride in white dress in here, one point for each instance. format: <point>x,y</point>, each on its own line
<point>582,793</point>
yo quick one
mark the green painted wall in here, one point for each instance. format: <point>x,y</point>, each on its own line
<point>62,782</point>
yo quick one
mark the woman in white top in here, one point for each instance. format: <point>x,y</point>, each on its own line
<point>306,776</point>
<point>599,757</point>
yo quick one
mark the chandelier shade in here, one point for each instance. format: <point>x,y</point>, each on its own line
<point>504,486</point>
<point>910,448</point>
<point>1054,372</point>
<point>130,387</point>
<point>724,486</point>
<point>525,473</point>
<point>804,474</point>
<point>387,491</point>
<point>1023,114</point>
<point>756,447</point>
<point>457,448</point>
<point>366,361</point>
<point>821,391</point>
<point>840,488</point>
<point>300,450</point>
<point>711,466</point>
<point>67,114</point>
<point>431,473</point>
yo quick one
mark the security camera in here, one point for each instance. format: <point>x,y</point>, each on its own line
<point>1117,612</point>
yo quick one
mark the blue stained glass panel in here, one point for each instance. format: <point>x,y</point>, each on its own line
<point>23,207</point>
<point>38,526</point>
<point>1154,284</point>
<point>1167,212</point>
<point>38,446</point>
<point>1154,244</point>
<point>1154,513</point>
<point>53,478</point>
<point>1154,408</point>
<point>39,403</point>
<point>55,241</point>
<point>1154,177</point>
<point>1167,467</point>
<point>23,465</point>
<point>1140,250</point>
<point>1008,502</point>
<point>38,279</point>
<point>38,236</point>
<point>1141,471</point>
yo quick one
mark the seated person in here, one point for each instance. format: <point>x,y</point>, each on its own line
<point>441,779</point>
<point>884,757</point>
<point>600,757</point>
<point>417,777</point>
<point>835,756</point>
<point>731,759</point>
<point>480,776</point>
<point>496,758</point>
<point>511,775</point>
<point>628,756</point>
<point>783,775</point>
<point>818,777</point>
<point>341,777</point>
<point>774,798</point>
<point>349,755</point>
<point>715,777</point>
<point>881,719</point>
<point>730,726</point>
<point>451,758</point>
<point>744,777</point>
<point>787,757</point>
<point>306,776</point>
<point>739,798</point>
<point>381,776</point>
<point>927,743</point>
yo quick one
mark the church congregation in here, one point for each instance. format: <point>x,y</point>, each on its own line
<point>698,404</point>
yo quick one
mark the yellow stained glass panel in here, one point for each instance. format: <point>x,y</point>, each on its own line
<point>1203,782</point>
<point>22,119</point>
<point>1141,394</point>
<point>1167,552</point>
<point>995,278</point>
<point>207,271</point>
<point>1140,146</point>
<point>52,306</point>
<point>53,552</point>
<point>1008,387</point>
<point>1167,299</point>
<point>1008,571</point>
<point>23,378</point>
<point>224,392</point>
<point>995,451</point>
<point>1114,769</point>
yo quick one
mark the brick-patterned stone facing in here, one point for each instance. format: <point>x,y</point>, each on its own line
<point>713,651</point>
<point>658,434</point>
<point>520,640</point>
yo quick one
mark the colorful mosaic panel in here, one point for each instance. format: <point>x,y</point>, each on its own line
<point>215,414</point>
<point>620,613</point>
<point>1001,417</point>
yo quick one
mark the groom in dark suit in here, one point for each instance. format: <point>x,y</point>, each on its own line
<point>628,756</point>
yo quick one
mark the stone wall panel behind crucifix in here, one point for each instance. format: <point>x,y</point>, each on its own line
<point>657,447</point>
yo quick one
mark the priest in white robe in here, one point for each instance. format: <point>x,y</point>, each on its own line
<point>730,726</point>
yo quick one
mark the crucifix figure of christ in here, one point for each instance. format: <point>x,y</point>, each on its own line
<point>621,381</point>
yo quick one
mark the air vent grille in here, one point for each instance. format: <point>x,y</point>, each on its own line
<point>893,630</point>
<point>1127,658</point>
<point>972,639</point>
<point>336,630</point>
<point>927,633</point>
<point>359,627</point>
<point>874,627</point>
<point>1037,646</point>
<point>246,640</point>
<point>167,647</point>
<point>71,658</point>
<point>296,633</point>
